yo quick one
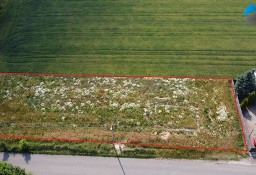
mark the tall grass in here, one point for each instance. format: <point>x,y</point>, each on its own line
<point>143,110</point>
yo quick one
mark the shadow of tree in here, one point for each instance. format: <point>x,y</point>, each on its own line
<point>119,161</point>
<point>251,19</point>
<point>253,155</point>
<point>246,114</point>
<point>26,156</point>
<point>6,156</point>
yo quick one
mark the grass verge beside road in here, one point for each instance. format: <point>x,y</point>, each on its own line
<point>97,149</point>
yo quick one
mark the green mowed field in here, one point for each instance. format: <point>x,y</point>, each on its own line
<point>137,37</point>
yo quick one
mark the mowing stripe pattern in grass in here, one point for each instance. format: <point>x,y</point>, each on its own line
<point>135,37</point>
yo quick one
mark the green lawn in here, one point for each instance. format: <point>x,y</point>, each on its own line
<point>135,37</point>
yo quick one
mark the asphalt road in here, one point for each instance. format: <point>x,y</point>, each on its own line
<point>78,165</point>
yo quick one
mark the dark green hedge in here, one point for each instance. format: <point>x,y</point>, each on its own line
<point>249,100</point>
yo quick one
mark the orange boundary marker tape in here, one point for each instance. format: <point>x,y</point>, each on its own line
<point>128,143</point>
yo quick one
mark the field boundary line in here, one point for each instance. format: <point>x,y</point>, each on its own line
<point>109,75</point>
<point>124,143</point>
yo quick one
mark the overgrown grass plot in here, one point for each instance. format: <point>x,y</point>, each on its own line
<point>171,111</point>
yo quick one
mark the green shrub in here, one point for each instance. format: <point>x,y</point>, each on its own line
<point>244,103</point>
<point>2,146</point>
<point>23,145</point>
<point>8,169</point>
<point>3,4</point>
<point>249,100</point>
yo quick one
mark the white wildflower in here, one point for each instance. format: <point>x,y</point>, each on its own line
<point>186,102</point>
<point>114,105</point>
<point>106,90</point>
<point>146,111</point>
<point>222,112</point>
<point>69,104</point>
<point>129,106</point>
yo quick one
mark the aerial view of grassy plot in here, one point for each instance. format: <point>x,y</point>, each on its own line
<point>137,37</point>
<point>88,52</point>
<point>167,112</point>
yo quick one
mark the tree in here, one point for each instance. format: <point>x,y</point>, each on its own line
<point>3,4</point>
<point>246,84</point>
